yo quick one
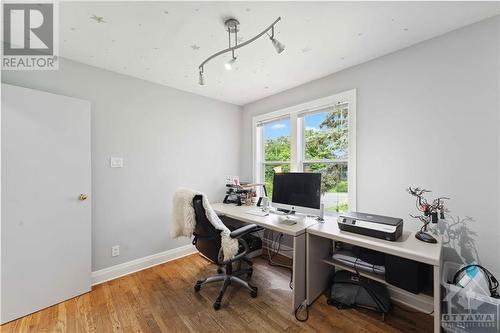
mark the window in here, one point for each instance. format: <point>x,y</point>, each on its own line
<point>326,150</point>
<point>276,141</point>
<point>313,137</point>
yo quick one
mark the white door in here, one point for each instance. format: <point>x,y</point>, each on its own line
<point>45,225</point>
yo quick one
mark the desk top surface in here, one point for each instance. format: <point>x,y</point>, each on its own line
<point>407,246</point>
<point>271,221</point>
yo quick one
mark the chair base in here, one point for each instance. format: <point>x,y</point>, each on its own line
<point>229,278</point>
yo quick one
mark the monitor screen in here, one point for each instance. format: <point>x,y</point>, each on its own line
<point>297,189</point>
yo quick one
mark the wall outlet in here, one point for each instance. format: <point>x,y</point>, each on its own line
<point>115,251</point>
<point>116,162</point>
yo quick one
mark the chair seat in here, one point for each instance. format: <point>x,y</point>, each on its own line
<point>208,243</point>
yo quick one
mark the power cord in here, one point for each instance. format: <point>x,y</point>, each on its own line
<point>302,306</point>
<point>276,250</point>
<point>492,281</point>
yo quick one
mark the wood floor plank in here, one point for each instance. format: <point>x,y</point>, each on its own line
<point>161,299</point>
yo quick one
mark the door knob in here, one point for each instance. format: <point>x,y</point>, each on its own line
<point>82,197</point>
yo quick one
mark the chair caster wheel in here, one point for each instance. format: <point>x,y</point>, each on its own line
<point>197,286</point>
<point>217,306</point>
<point>253,293</point>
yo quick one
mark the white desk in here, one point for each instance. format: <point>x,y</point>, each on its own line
<point>320,268</point>
<point>272,222</point>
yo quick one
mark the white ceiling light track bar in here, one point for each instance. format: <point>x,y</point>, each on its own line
<point>232,27</point>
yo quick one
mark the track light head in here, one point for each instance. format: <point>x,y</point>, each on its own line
<point>201,79</point>
<point>229,65</point>
<point>280,47</point>
<point>232,29</point>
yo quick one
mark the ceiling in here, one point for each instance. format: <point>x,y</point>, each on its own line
<point>164,42</point>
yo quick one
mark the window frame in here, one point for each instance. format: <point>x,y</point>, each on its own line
<point>263,163</point>
<point>296,114</point>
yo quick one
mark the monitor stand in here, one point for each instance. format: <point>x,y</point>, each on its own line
<point>288,222</point>
<point>286,211</point>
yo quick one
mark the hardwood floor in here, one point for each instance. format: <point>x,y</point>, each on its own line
<point>161,299</point>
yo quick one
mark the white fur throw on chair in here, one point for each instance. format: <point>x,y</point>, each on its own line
<point>185,220</point>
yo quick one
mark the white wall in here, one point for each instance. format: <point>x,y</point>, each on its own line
<point>427,116</point>
<point>168,138</point>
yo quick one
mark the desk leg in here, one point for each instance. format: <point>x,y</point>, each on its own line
<point>299,270</point>
<point>437,300</point>
<point>318,273</point>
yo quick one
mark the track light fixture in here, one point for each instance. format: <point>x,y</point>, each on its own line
<point>232,27</point>
<point>276,43</point>
<point>201,79</point>
<point>229,65</point>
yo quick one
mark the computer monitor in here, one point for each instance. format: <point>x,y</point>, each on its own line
<point>297,192</point>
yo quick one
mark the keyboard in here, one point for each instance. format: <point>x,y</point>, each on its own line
<point>257,213</point>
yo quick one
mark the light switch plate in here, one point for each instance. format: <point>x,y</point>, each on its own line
<point>116,162</point>
<point>115,250</point>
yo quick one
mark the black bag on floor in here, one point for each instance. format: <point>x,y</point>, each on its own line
<point>350,290</point>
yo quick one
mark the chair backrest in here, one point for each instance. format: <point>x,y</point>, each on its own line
<point>208,240</point>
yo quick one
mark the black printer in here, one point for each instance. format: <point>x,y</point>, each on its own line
<point>383,227</point>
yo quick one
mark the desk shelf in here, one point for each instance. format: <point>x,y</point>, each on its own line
<point>371,276</point>
<point>379,278</point>
<point>320,269</point>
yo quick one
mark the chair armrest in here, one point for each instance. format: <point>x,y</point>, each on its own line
<point>242,231</point>
<point>238,234</point>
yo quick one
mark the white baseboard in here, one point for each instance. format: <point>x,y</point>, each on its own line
<point>423,304</point>
<point>113,272</point>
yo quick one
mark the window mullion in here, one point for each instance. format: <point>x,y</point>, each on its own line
<point>294,156</point>
<point>328,161</point>
<point>262,177</point>
<point>276,162</point>
<point>300,143</point>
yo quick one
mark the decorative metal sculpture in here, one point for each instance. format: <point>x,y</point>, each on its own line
<point>431,212</point>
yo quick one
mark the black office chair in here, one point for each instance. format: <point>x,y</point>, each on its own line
<point>208,241</point>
